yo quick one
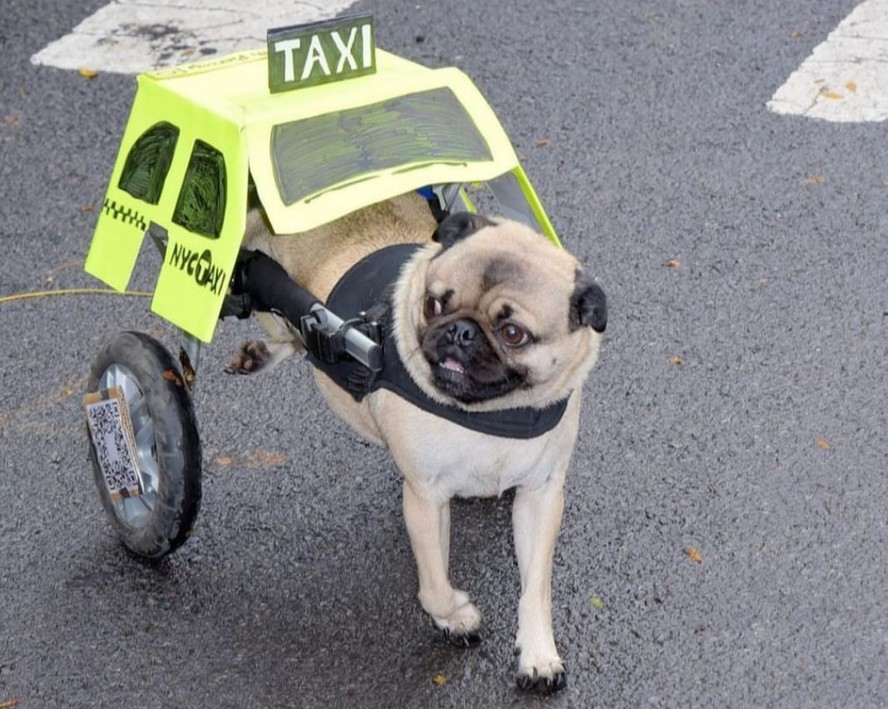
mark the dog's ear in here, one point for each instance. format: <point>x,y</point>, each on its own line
<point>588,304</point>
<point>458,226</point>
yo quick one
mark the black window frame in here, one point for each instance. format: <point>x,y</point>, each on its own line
<point>200,207</point>
<point>148,162</point>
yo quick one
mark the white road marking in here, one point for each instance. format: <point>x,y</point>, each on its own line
<point>846,77</point>
<point>131,36</point>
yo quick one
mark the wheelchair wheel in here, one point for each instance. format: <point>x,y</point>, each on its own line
<point>144,444</point>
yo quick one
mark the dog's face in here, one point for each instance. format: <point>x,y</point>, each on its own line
<point>497,316</point>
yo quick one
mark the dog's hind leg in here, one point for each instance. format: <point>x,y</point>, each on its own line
<point>258,355</point>
<point>536,519</point>
<point>428,525</point>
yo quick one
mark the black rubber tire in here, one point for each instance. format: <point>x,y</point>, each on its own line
<point>177,444</point>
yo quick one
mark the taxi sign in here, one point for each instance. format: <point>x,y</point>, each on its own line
<point>321,52</point>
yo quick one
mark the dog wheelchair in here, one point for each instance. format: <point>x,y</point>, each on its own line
<point>308,140</point>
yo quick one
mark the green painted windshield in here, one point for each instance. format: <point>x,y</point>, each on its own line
<point>329,151</point>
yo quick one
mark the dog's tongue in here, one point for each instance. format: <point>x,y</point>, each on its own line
<point>453,365</point>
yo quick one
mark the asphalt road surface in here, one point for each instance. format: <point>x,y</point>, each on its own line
<point>725,540</point>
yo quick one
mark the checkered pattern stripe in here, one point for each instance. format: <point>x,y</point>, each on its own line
<point>127,215</point>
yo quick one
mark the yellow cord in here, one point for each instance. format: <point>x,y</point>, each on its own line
<point>72,291</point>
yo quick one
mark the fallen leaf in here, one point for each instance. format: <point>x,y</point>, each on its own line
<point>851,86</point>
<point>823,444</point>
<point>597,602</point>
<point>87,73</point>
<point>224,461</point>
<point>171,376</point>
<point>9,703</point>
<point>677,360</point>
<point>542,142</point>
<point>832,95</point>
<point>673,263</point>
<point>814,180</point>
<point>694,554</point>
<point>439,679</point>
<point>795,34</point>
<point>87,208</point>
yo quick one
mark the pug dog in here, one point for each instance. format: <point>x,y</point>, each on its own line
<point>493,323</point>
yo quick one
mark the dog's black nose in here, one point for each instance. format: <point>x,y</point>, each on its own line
<point>462,332</point>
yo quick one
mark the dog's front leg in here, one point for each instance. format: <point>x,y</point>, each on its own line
<point>536,519</point>
<point>428,525</point>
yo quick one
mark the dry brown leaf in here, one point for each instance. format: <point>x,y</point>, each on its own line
<point>694,554</point>
<point>823,444</point>
<point>87,73</point>
<point>677,360</point>
<point>814,180</point>
<point>224,461</point>
<point>851,86</point>
<point>832,95</point>
<point>542,142</point>
<point>87,208</point>
<point>440,679</point>
<point>673,263</point>
<point>172,376</point>
<point>9,703</point>
<point>795,34</point>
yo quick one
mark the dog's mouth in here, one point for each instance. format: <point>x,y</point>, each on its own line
<point>452,365</point>
<point>467,385</point>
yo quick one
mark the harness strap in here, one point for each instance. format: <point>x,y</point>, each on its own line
<point>367,287</point>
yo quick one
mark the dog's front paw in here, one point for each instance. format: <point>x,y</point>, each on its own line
<point>544,673</point>
<point>460,625</point>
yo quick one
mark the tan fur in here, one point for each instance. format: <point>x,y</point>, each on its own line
<point>506,263</point>
<point>317,259</point>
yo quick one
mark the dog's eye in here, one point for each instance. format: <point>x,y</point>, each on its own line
<point>512,335</point>
<point>432,307</point>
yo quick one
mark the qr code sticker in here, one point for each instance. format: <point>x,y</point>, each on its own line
<point>112,437</point>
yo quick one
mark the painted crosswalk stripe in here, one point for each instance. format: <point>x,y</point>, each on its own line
<point>131,36</point>
<point>846,77</point>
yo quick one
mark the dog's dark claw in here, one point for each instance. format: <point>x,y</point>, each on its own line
<point>467,639</point>
<point>542,685</point>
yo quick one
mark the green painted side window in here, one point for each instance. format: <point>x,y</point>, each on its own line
<point>201,205</point>
<point>314,154</point>
<point>148,162</point>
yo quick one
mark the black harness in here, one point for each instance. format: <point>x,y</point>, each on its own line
<point>367,288</point>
